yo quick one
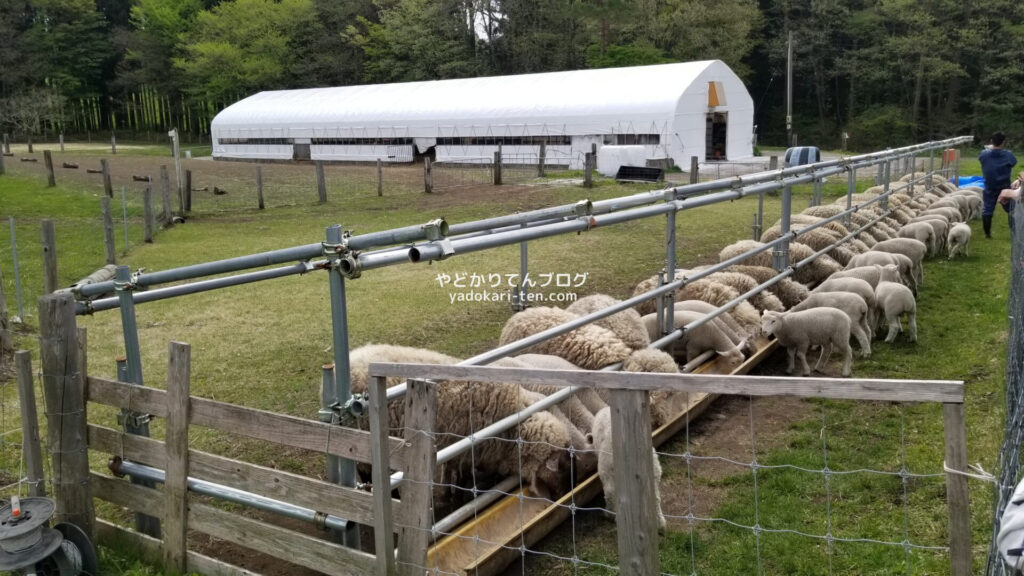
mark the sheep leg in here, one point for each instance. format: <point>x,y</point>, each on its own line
<point>967,249</point>
<point>826,353</point>
<point>801,354</point>
<point>863,341</point>
<point>847,357</point>
<point>912,325</point>
<point>790,353</point>
<point>894,326</point>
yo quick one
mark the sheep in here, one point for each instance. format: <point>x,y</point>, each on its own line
<point>850,304</point>
<point>723,322</point>
<point>922,232</point>
<point>588,396</point>
<point>665,404</point>
<point>697,340</point>
<point>602,439</point>
<point>857,286</point>
<point>902,262</point>
<point>742,283</point>
<point>895,299</point>
<point>872,274</point>
<point>812,273</point>
<point>959,237</point>
<point>974,204</point>
<point>909,247</point>
<point>589,347</point>
<point>545,459</point>
<point>573,409</point>
<point>625,324</point>
<point>952,213</point>
<point>939,224</point>
<point>788,291</point>
<point>711,292</point>
<point>798,331</point>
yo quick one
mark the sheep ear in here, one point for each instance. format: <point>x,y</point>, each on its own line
<point>590,438</point>
<point>552,464</point>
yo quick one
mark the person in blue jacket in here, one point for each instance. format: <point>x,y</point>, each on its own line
<point>996,165</point>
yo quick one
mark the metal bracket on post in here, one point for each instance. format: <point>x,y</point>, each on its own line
<point>780,254</point>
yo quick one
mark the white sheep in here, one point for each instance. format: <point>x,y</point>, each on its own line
<point>814,272</point>
<point>872,274</point>
<point>589,347</point>
<point>724,322</point>
<point>895,299</point>
<point>602,440</point>
<point>853,285</point>
<point>788,291</point>
<point>959,237</point>
<point>940,224</point>
<point>762,301</point>
<point>850,304</point>
<point>625,324</point>
<point>902,262</point>
<point>698,340</point>
<point>665,404</point>
<point>798,331</point>
<point>588,396</point>
<point>909,247</point>
<point>711,292</point>
<point>952,213</point>
<point>921,232</point>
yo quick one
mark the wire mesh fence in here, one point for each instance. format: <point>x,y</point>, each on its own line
<point>1011,467</point>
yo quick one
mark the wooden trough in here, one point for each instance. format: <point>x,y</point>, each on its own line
<point>515,521</point>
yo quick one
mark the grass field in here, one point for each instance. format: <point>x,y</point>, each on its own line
<point>263,346</point>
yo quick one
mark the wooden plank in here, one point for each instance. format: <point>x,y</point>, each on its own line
<point>108,188</point>
<point>65,410</point>
<point>176,444</point>
<point>635,507</point>
<point>49,256</point>
<point>148,548</point>
<point>957,491</point>
<point>838,388</point>
<point>293,547</point>
<point>383,527</point>
<point>121,492</point>
<point>48,161</point>
<point>295,489</point>
<point>259,424</point>
<point>321,182</point>
<point>416,522</point>
<point>29,425</point>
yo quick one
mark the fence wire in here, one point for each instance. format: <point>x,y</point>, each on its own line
<point>1011,468</point>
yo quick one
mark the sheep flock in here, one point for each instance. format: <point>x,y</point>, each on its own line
<point>850,291</point>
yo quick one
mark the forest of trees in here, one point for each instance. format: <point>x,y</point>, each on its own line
<point>887,72</point>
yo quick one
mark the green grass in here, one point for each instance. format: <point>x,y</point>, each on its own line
<point>263,345</point>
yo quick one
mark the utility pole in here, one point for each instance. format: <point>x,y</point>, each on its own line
<point>789,90</point>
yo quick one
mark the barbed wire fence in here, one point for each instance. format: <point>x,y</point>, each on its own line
<point>1010,466</point>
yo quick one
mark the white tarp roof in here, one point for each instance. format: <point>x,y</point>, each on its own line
<point>574,102</point>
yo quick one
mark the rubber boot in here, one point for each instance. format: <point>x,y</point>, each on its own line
<point>986,223</point>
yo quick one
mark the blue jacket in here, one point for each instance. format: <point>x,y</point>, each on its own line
<point>996,164</point>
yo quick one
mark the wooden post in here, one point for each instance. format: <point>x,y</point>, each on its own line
<point>635,509</point>
<point>113,143</point>
<point>108,230</point>
<point>259,186</point>
<point>383,529</point>
<point>428,176</point>
<point>107,187</point>
<point>51,180</point>
<point>321,182</point>
<point>414,534</point>
<point>2,169</point>
<point>61,142</point>
<point>7,144</point>
<point>29,425</point>
<point>49,257</point>
<point>176,443</point>
<point>6,341</point>
<point>147,213</point>
<point>65,410</point>
<point>165,193</point>
<point>30,151</point>
<point>380,178</point>
<point>541,158</point>
<point>773,162</point>
<point>188,190</point>
<point>694,170</point>
<point>957,494</point>
<point>497,168</point>
<point>588,170</point>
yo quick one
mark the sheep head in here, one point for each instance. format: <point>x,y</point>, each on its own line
<point>771,321</point>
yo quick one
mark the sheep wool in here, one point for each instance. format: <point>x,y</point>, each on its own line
<point>589,347</point>
<point>894,300</point>
<point>626,324</point>
<point>698,340</point>
<point>606,465</point>
<point>798,331</point>
<point>853,305</point>
<point>959,238</point>
<point>788,291</point>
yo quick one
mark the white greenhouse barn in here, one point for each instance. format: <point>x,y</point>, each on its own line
<point>672,111</point>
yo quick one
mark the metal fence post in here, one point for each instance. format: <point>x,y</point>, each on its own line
<point>339,470</point>
<point>113,144</point>
<point>780,254</point>
<point>2,169</point>
<point>519,302</point>
<point>760,216</point>
<point>133,422</point>
<point>851,189</point>
<point>884,202</point>
<point>670,268</point>
<point>17,271</point>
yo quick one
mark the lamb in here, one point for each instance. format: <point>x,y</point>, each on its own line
<point>856,286</point>
<point>626,324</point>
<point>922,232</point>
<point>939,224</point>
<point>850,304</point>
<point>902,262</point>
<point>711,292</point>
<point>909,247</point>
<point>545,458</point>
<point>974,204</point>
<point>573,409</point>
<point>959,237</point>
<point>812,273</point>
<point>602,439</point>
<point>698,340</point>
<point>589,347</point>
<point>872,274</point>
<point>798,331</point>
<point>723,322</point>
<point>894,300</point>
<point>665,404</point>
<point>952,213</point>
<point>788,291</point>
